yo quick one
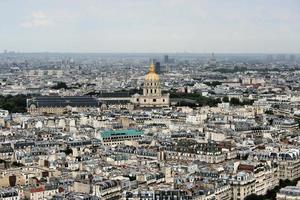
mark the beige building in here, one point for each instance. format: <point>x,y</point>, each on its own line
<point>289,193</point>
<point>266,178</point>
<point>109,189</point>
<point>289,164</point>
<point>40,192</point>
<point>223,193</point>
<point>289,169</point>
<point>243,185</point>
<point>152,95</point>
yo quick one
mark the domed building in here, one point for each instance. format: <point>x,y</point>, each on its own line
<point>152,96</point>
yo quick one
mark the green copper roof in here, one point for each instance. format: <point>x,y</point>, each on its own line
<point>117,133</point>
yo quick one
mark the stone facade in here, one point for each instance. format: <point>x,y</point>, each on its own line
<point>152,95</point>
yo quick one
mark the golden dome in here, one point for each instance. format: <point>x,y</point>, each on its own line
<point>152,76</point>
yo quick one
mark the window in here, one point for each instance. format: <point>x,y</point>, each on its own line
<point>137,99</point>
<point>154,100</point>
<point>163,100</point>
<point>144,100</point>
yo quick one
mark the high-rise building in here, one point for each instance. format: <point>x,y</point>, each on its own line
<point>281,57</point>
<point>269,58</point>
<point>157,67</point>
<point>292,58</point>
<point>166,59</point>
<point>212,60</point>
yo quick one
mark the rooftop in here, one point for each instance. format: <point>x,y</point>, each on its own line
<point>117,133</point>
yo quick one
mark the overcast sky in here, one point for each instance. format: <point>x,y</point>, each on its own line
<point>199,26</point>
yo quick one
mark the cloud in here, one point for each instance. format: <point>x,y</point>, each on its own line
<point>37,19</point>
<point>156,25</point>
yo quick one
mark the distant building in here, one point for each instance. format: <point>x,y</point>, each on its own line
<point>115,100</point>
<point>60,104</point>
<point>212,62</point>
<point>158,194</point>
<point>292,58</point>
<point>157,67</point>
<point>166,59</point>
<point>152,95</point>
<point>45,72</point>
<point>116,137</point>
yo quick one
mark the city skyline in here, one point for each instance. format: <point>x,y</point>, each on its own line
<point>149,100</point>
<point>151,26</point>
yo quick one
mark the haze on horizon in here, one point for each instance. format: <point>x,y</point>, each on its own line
<point>196,26</point>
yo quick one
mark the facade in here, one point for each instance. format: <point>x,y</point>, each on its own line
<point>223,193</point>
<point>158,194</point>
<point>289,165</point>
<point>9,194</point>
<point>206,152</point>
<point>288,162</point>
<point>110,189</point>
<point>265,173</point>
<point>265,179</point>
<point>116,137</point>
<point>243,185</point>
<point>41,192</point>
<point>6,152</point>
<point>111,100</point>
<point>289,193</point>
<point>152,95</point>
<point>60,104</point>
<point>289,169</point>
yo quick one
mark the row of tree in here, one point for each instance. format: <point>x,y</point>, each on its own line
<point>199,100</point>
<point>196,99</point>
<point>236,101</point>
<point>213,83</point>
<point>231,70</point>
<point>60,85</point>
<point>243,69</point>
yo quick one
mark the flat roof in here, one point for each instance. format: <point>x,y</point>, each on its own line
<point>63,101</point>
<point>117,133</point>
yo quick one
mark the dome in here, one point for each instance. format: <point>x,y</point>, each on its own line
<point>152,76</point>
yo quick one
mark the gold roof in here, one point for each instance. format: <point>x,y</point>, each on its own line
<point>152,76</point>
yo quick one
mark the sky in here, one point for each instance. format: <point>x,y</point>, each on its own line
<point>157,26</point>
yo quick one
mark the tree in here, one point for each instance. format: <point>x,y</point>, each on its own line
<point>68,151</point>
<point>235,101</point>
<point>225,99</point>
<point>200,100</point>
<point>60,85</point>
<point>253,197</point>
<point>213,83</point>
<point>247,102</point>
<point>14,104</point>
<point>269,112</point>
<point>17,164</point>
